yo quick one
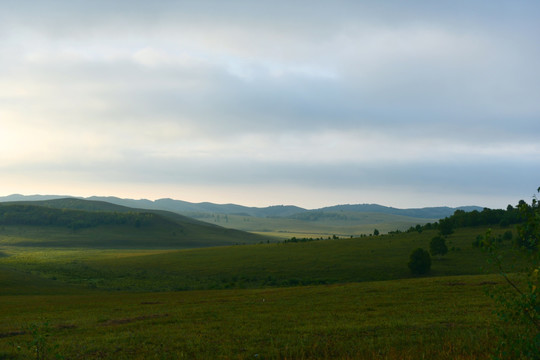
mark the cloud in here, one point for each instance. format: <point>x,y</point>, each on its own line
<point>285,93</point>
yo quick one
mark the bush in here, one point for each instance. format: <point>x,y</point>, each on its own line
<point>419,262</point>
<point>508,235</point>
<point>446,227</point>
<point>437,246</point>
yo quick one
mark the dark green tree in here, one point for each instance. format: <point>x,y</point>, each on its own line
<point>446,226</point>
<point>529,232</point>
<point>519,303</point>
<point>437,246</point>
<point>419,262</point>
<point>508,235</point>
<point>376,232</point>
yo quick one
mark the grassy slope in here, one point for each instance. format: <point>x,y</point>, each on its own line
<point>162,230</point>
<point>13,282</point>
<point>124,236</point>
<point>92,205</point>
<point>329,261</point>
<point>435,318</point>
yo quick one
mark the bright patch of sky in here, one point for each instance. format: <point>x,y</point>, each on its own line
<point>315,103</point>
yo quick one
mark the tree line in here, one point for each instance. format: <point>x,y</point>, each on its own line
<point>487,217</point>
<point>15,214</point>
<point>420,259</point>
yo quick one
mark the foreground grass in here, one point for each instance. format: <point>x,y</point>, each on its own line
<point>431,318</point>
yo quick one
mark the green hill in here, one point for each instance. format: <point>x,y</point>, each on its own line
<point>276,221</point>
<point>82,223</point>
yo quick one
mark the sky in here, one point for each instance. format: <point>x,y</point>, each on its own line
<point>311,103</point>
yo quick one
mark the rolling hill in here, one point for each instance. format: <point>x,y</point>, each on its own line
<point>282,221</point>
<point>184,207</point>
<point>74,223</point>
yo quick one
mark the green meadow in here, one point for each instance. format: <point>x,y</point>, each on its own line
<point>330,299</point>
<point>431,318</point>
<point>327,224</point>
<point>371,258</point>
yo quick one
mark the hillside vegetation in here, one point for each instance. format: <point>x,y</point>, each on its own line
<point>81,223</point>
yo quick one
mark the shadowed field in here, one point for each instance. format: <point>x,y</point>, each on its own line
<point>435,318</point>
<point>251,266</point>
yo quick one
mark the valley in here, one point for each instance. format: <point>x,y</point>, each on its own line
<point>172,287</point>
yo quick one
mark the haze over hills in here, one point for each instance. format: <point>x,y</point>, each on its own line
<point>281,221</point>
<point>188,208</point>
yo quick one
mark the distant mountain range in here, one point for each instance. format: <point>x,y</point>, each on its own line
<point>189,209</point>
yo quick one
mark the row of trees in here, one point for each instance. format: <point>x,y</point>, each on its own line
<point>518,304</point>
<point>503,217</point>
<point>420,259</point>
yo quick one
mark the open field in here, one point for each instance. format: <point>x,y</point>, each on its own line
<point>431,318</point>
<point>315,225</point>
<point>343,298</point>
<point>250,266</point>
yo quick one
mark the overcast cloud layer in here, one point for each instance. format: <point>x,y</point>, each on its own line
<point>315,103</point>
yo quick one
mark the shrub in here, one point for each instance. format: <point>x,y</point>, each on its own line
<point>508,235</point>
<point>437,246</point>
<point>419,262</point>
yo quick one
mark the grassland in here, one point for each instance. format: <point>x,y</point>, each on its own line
<point>327,224</point>
<point>123,237</point>
<point>431,318</point>
<point>333,299</point>
<point>252,266</point>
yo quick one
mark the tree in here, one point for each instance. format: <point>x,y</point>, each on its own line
<point>376,232</point>
<point>519,302</point>
<point>446,227</point>
<point>437,246</point>
<point>419,262</point>
<point>529,231</point>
